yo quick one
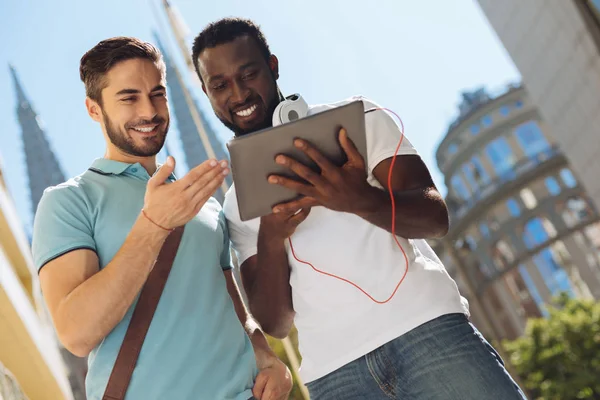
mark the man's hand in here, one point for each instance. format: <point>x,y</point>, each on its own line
<point>274,381</point>
<point>173,204</point>
<point>342,189</point>
<point>281,225</point>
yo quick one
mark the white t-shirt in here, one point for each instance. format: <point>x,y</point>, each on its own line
<point>336,322</point>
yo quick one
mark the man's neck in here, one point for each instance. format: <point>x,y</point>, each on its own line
<point>149,163</point>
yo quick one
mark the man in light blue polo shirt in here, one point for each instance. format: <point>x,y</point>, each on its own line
<point>97,236</point>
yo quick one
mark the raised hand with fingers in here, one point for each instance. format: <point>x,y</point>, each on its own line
<point>170,205</point>
<point>342,188</point>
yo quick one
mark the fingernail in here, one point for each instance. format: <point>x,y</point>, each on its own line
<point>280,160</point>
<point>276,210</point>
<point>343,132</point>
<point>225,171</point>
<point>213,163</point>
<point>223,164</point>
<point>299,143</point>
<point>272,179</point>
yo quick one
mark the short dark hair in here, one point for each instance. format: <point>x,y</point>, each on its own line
<point>224,31</point>
<point>97,61</point>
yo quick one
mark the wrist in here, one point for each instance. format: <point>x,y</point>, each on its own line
<point>265,358</point>
<point>268,236</point>
<point>148,227</point>
<point>371,201</point>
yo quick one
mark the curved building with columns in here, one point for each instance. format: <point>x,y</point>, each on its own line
<point>522,227</point>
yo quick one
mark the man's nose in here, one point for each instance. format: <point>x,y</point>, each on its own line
<point>240,93</point>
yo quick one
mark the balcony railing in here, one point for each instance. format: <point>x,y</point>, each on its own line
<point>521,168</point>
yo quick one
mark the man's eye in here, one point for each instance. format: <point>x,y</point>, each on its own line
<point>127,99</point>
<point>219,86</point>
<point>249,75</point>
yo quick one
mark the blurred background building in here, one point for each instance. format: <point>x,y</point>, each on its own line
<point>555,44</point>
<point>43,170</point>
<point>30,360</point>
<point>523,227</point>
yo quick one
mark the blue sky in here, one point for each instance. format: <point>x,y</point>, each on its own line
<point>413,57</point>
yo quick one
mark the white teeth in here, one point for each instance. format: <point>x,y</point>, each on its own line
<point>145,130</point>
<point>247,112</point>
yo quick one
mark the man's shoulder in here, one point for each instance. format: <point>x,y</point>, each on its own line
<point>317,108</point>
<point>70,193</point>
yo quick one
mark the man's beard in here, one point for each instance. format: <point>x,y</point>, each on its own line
<point>121,138</point>
<point>266,123</point>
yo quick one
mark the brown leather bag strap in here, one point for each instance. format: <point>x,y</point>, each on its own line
<point>141,319</point>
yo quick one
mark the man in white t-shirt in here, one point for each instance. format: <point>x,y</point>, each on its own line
<point>361,335</point>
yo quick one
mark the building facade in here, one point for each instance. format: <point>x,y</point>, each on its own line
<point>555,44</point>
<point>30,359</point>
<point>523,227</point>
<point>43,170</point>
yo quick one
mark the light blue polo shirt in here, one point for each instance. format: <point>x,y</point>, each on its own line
<point>196,347</point>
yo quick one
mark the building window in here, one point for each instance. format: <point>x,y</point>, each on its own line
<point>575,211</point>
<point>552,185</point>
<point>532,288</point>
<point>480,173</point>
<point>467,169</point>
<point>486,121</point>
<point>568,178</point>
<point>501,157</point>
<point>452,148</point>
<point>553,274</point>
<point>537,231</point>
<point>513,207</point>
<point>531,139</point>
<point>475,174</point>
<point>528,198</point>
<point>475,129</point>
<point>504,111</point>
<point>459,187</point>
<point>518,104</point>
<point>502,254</point>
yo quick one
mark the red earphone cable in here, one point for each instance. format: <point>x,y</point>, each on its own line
<point>393,200</point>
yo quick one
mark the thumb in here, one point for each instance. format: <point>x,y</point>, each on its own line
<point>163,172</point>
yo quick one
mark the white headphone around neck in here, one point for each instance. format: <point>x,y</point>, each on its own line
<point>293,107</point>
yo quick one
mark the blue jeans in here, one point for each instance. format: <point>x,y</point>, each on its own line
<point>446,359</point>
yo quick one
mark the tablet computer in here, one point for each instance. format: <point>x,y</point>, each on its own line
<point>253,155</point>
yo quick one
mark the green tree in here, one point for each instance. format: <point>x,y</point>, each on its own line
<point>559,356</point>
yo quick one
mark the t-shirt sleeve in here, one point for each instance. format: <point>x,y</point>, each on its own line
<point>383,132</point>
<point>62,223</point>
<point>226,263</point>
<point>243,236</point>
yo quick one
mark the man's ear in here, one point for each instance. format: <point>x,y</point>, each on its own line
<point>274,66</point>
<point>94,110</point>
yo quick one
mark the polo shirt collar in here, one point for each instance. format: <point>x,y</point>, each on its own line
<point>112,167</point>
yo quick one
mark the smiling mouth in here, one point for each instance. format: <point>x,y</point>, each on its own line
<point>247,111</point>
<point>146,128</point>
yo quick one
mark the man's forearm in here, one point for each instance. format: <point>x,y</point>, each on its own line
<point>270,296</point>
<point>420,213</point>
<point>96,306</point>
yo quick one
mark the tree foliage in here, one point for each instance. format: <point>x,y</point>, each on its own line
<point>559,356</point>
